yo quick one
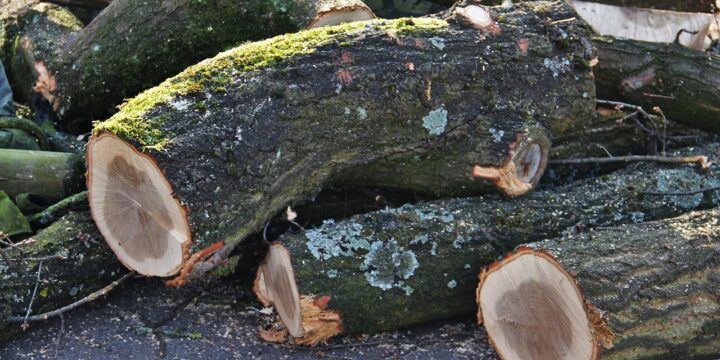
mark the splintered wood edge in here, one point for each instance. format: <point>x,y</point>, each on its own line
<point>185,246</point>
<point>318,323</point>
<point>295,328</point>
<point>340,15</point>
<point>509,177</point>
<point>598,326</point>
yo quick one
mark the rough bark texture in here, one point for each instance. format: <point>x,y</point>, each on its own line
<point>135,44</point>
<point>687,5</point>
<point>87,265</point>
<point>50,175</point>
<point>659,283</point>
<point>398,267</point>
<point>681,81</point>
<point>263,126</point>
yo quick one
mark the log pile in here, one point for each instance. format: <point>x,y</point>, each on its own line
<point>185,178</point>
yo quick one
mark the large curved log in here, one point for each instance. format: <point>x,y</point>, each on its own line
<point>244,135</point>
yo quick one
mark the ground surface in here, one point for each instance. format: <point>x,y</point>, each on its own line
<point>145,320</point>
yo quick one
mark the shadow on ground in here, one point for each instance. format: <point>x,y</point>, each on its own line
<point>146,320</point>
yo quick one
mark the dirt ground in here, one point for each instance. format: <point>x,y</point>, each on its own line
<point>145,320</point>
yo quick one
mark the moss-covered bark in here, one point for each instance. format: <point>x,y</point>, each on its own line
<point>681,81</point>
<point>265,125</point>
<point>77,263</point>
<point>135,44</point>
<point>658,283</point>
<point>399,267</point>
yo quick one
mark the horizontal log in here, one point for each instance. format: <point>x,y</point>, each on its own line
<point>656,282</point>
<point>205,131</point>
<point>70,260</point>
<point>49,175</point>
<point>680,81</point>
<point>687,6</point>
<point>104,63</point>
<point>398,267</point>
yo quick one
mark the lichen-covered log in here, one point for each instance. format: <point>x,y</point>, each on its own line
<point>135,44</point>
<point>682,82</point>
<point>243,135</point>
<point>75,262</point>
<point>50,175</point>
<point>658,283</point>
<point>399,267</point>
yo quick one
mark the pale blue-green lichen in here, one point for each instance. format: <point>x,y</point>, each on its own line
<point>496,134</point>
<point>331,240</point>
<point>362,113</point>
<point>557,65</point>
<point>452,284</point>
<point>387,264</point>
<point>435,121</point>
<point>438,42</point>
<point>332,273</point>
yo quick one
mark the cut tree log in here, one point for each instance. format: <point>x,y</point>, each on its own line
<point>50,175</point>
<point>683,83</point>
<point>242,136</point>
<point>689,29</point>
<point>65,261</point>
<point>87,77</point>
<point>422,261</point>
<point>533,309</point>
<point>657,283</point>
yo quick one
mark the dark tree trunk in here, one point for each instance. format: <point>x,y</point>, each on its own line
<point>248,133</point>
<point>135,44</point>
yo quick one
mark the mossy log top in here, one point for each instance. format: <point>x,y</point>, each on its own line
<point>76,263</point>
<point>135,44</point>
<point>50,175</point>
<point>398,267</point>
<point>262,126</point>
<point>658,282</point>
<point>681,81</point>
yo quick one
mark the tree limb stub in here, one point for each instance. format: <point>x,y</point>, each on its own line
<point>241,136</point>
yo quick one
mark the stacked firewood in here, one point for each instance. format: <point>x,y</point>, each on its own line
<point>567,171</point>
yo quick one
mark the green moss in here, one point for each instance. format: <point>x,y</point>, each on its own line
<point>131,122</point>
<point>63,17</point>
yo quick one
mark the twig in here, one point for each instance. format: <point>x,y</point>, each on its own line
<point>25,324</point>
<point>702,160</point>
<point>76,304</point>
<point>681,193</point>
<point>662,115</point>
<point>372,343</point>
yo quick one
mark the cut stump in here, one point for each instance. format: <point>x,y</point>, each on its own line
<point>533,309</point>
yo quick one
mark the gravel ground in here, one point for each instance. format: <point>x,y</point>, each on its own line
<point>145,320</point>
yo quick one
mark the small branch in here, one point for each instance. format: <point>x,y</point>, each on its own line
<point>682,193</point>
<point>25,325</point>
<point>702,160</point>
<point>76,304</point>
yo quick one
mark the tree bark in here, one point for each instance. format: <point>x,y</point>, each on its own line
<point>682,82</point>
<point>686,6</point>
<point>75,262</point>
<point>398,267</point>
<point>135,44</point>
<point>212,129</point>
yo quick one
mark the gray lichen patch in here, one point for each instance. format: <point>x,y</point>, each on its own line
<point>435,121</point>
<point>680,180</point>
<point>557,65</point>
<point>387,264</point>
<point>331,240</point>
